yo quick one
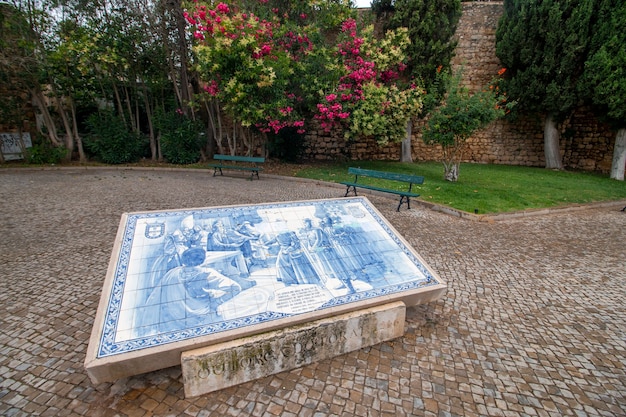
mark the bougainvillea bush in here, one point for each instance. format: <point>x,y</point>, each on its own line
<point>283,69</point>
<point>369,99</point>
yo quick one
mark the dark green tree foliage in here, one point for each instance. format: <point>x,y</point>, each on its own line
<point>18,64</point>
<point>544,44</point>
<point>431,24</point>
<point>604,79</point>
<point>181,138</point>
<point>111,142</point>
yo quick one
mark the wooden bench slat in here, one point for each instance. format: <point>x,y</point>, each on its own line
<point>415,179</point>
<point>236,167</point>
<point>254,159</point>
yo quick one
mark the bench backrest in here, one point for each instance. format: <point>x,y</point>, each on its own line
<point>413,179</point>
<point>254,159</point>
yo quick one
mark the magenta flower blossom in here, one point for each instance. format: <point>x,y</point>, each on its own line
<point>223,8</point>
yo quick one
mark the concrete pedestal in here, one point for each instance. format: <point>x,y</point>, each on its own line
<point>231,363</point>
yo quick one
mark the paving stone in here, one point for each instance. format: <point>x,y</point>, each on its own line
<point>532,323</point>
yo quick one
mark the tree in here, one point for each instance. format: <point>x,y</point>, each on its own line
<point>262,64</point>
<point>16,59</point>
<point>460,115</point>
<point>544,44</point>
<point>604,78</point>
<point>21,63</point>
<point>431,27</point>
<point>370,100</point>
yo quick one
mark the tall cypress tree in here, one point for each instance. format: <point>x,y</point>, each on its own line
<point>431,25</point>
<point>604,78</point>
<point>544,44</point>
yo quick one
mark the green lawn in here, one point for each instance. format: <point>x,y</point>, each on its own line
<point>489,189</point>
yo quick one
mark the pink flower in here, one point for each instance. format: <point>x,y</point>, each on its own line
<point>348,25</point>
<point>286,110</point>
<point>331,97</point>
<point>223,8</point>
<point>212,88</point>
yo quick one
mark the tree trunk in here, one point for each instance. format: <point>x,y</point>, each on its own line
<point>452,172</point>
<point>551,139</point>
<point>120,106</point>
<point>40,102</point>
<point>79,141</point>
<point>69,133</point>
<point>406,144</point>
<point>182,67</point>
<point>619,155</point>
<point>148,104</point>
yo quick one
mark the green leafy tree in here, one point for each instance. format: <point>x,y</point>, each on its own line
<point>110,140</point>
<point>370,99</point>
<point>263,63</point>
<point>461,114</point>
<point>16,55</point>
<point>604,78</point>
<point>431,27</point>
<point>21,65</point>
<point>544,44</point>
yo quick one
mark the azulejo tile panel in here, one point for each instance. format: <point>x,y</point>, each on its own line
<point>186,274</point>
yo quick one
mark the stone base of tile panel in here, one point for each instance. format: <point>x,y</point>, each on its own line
<point>237,361</point>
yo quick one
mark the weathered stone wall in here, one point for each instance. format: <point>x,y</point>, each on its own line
<point>585,143</point>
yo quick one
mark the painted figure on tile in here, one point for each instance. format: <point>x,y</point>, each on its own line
<point>335,256</point>
<point>189,295</point>
<point>222,239</point>
<point>293,266</point>
<point>183,238</point>
<point>323,252</point>
<point>359,251</point>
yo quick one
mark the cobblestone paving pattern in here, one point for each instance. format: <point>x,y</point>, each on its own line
<point>533,322</point>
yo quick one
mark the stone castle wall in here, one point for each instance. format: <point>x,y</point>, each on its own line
<point>585,142</point>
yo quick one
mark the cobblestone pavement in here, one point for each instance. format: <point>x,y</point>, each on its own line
<point>533,322</point>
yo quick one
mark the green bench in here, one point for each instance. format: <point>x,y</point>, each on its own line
<point>250,163</point>
<point>405,196</point>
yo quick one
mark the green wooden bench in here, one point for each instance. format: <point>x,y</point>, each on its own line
<point>250,163</point>
<point>405,196</point>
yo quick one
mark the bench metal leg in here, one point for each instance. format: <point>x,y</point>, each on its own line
<point>348,190</point>
<point>402,201</point>
<point>217,169</point>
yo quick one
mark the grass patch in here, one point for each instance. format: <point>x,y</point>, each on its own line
<point>489,189</point>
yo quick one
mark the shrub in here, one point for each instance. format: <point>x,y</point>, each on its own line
<point>181,138</point>
<point>287,144</point>
<point>110,140</point>
<point>43,152</point>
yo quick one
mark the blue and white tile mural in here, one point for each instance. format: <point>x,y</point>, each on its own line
<point>188,273</point>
